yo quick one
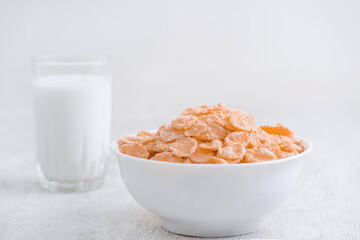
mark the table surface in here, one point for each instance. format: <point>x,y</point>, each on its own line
<point>324,205</point>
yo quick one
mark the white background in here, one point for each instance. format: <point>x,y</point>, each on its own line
<point>298,57</point>
<point>295,62</point>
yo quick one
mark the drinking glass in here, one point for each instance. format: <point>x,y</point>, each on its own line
<point>72,103</point>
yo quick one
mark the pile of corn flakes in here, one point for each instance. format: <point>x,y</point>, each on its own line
<point>213,134</point>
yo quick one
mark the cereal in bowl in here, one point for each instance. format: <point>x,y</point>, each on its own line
<point>213,135</point>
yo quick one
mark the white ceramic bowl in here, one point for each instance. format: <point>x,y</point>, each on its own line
<point>210,200</point>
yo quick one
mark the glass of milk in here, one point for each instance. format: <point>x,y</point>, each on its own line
<point>72,101</point>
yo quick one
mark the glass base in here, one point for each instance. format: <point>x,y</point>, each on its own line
<point>80,186</point>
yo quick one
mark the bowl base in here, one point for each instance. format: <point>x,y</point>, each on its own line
<point>212,229</point>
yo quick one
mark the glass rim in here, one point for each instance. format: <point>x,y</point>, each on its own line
<point>51,59</point>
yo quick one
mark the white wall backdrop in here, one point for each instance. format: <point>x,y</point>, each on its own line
<point>275,59</point>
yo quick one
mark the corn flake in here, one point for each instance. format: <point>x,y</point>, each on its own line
<point>129,139</point>
<point>231,152</point>
<point>196,130</point>
<point>216,160</point>
<point>169,134</point>
<point>184,121</point>
<point>201,155</point>
<point>135,150</point>
<point>214,145</point>
<point>259,155</point>
<point>167,157</point>
<point>237,138</point>
<point>183,147</point>
<point>279,129</point>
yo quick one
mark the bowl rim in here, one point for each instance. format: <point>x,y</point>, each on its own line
<point>307,145</point>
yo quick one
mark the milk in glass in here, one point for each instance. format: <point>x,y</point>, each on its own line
<point>72,116</point>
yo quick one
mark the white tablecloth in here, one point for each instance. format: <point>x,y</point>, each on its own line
<point>324,205</point>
